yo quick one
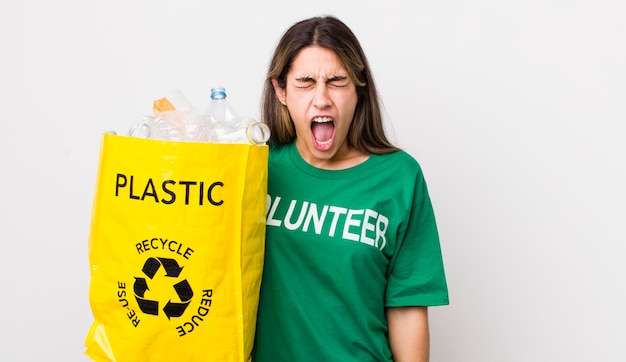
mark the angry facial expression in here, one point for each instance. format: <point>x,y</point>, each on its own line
<point>321,99</point>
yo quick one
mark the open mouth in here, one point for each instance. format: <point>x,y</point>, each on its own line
<point>323,129</point>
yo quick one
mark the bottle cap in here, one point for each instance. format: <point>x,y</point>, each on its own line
<point>218,93</point>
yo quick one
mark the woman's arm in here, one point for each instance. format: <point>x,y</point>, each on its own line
<point>408,333</point>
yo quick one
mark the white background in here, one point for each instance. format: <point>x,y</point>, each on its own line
<point>515,109</point>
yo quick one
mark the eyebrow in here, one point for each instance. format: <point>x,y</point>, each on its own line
<point>334,78</point>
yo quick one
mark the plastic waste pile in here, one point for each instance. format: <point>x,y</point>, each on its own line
<point>175,119</point>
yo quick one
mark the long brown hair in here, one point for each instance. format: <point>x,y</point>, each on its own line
<point>366,131</point>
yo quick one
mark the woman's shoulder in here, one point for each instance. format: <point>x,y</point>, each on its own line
<point>401,160</point>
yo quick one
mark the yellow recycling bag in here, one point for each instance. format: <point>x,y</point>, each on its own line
<point>176,250</point>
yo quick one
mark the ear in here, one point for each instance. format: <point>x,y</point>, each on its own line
<point>281,93</point>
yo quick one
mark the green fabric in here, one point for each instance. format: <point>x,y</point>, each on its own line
<point>340,247</point>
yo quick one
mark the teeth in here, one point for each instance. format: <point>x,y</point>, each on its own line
<point>322,119</point>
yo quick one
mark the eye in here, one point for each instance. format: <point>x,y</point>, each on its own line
<point>339,81</point>
<point>304,82</point>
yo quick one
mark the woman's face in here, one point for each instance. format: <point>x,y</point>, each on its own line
<point>321,99</point>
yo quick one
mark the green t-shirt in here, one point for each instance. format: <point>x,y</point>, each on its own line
<point>340,247</point>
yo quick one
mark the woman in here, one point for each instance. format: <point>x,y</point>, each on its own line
<point>352,252</point>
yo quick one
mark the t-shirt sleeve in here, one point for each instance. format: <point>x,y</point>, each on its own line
<point>416,273</point>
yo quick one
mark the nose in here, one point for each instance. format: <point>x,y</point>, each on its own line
<point>321,98</point>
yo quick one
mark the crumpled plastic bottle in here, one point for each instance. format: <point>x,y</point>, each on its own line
<point>175,119</point>
<point>166,126</point>
<point>171,119</point>
<point>222,124</point>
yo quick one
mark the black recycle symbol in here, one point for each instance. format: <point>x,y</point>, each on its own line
<point>182,288</point>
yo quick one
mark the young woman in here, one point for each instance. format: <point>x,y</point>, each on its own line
<point>352,251</point>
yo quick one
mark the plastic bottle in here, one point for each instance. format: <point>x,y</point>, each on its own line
<point>223,125</point>
<point>167,126</point>
<point>219,108</point>
<point>258,133</point>
<point>174,119</point>
<point>193,121</point>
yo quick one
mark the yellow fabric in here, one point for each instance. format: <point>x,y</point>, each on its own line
<point>176,250</point>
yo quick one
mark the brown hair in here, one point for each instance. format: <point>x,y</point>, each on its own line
<point>366,131</point>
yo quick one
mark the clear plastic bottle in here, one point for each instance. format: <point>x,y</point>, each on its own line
<point>258,133</point>
<point>171,120</point>
<point>167,126</point>
<point>223,125</point>
<point>187,112</point>
<point>219,108</point>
